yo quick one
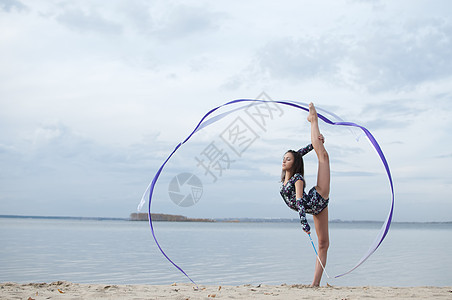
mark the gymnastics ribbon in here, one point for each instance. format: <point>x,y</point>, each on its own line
<point>204,122</point>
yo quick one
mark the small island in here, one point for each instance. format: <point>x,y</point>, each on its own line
<point>166,217</point>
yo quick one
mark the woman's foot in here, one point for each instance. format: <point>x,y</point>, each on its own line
<point>312,116</point>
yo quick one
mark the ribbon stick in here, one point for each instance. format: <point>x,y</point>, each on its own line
<point>326,117</point>
<point>317,254</point>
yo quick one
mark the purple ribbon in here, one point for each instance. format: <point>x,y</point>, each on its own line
<point>203,123</point>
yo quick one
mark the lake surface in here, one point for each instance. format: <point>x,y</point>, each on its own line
<point>124,252</point>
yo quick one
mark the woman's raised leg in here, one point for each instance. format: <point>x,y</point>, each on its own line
<point>323,174</point>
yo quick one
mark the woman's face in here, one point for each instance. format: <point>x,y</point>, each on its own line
<point>288,161</point>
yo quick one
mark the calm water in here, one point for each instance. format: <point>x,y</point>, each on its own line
<point>122,252</point>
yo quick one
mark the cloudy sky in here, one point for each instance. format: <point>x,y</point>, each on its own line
<point>94,95</point>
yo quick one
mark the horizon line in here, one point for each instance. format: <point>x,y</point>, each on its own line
<point>243,219</point>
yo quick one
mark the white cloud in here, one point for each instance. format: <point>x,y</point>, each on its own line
<point>183,22</point>
<point>301,59</point>
<point>404,57</point>
<point>56,167</point>
<point>12,5</point>
<point>393,57</point>
<point>79,20</point>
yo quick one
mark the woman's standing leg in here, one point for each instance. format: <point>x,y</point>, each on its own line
<point>323,188</point>
<point>321,229</point>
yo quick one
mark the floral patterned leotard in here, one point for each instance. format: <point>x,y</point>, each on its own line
<point>311,203</point>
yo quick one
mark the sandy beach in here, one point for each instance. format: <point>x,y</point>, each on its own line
<point>68,290</point>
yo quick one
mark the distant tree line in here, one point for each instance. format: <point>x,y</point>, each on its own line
<point>165,217</point>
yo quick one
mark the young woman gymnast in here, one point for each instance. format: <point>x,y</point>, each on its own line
<point>315,202</point>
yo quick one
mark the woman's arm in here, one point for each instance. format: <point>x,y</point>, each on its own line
<point>299,185</point>
<point>299,194</point>
<point>305,150</point>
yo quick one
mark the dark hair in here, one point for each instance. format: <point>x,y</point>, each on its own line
<point>298,165</point>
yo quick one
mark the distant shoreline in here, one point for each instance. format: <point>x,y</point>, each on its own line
<point>63,218</point>
<point>213,220</point>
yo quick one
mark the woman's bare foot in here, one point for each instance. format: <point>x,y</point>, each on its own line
<point>312,117</point>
